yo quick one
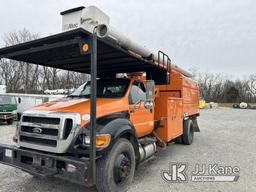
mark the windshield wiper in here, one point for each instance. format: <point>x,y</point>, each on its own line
<point>72,96</point>
<point>78,96</point>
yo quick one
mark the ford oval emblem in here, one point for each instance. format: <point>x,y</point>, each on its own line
<point>37,130</point>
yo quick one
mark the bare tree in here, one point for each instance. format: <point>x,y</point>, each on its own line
<point>30,78</point>
<point>221,88</point>
<point>16,74</point>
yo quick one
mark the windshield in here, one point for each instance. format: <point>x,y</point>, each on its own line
<point>106,88</point>
<point>6,100</point>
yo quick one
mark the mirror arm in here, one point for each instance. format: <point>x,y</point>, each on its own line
<point>134,106</point>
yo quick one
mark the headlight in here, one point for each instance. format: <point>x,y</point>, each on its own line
<point>102,140</point>
<point>86,140</point>
<point>14,112</point>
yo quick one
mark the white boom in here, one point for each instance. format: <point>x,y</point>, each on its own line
<point>91,17</point>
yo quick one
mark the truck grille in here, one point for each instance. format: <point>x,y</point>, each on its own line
<point>45,120</point>
<point>46,142</point>
<point>6,110</point>
<point>47,131</point>
<point>40,130</point>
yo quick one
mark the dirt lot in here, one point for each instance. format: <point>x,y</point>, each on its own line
<point>227,138</point>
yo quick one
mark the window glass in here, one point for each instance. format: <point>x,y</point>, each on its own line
<point>6,100</point>
<point>106,88</point>
<point>137,93</point>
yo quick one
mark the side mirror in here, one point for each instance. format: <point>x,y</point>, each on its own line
<point>19,100</point>
<point>150,90</point>
<point>150,94</point>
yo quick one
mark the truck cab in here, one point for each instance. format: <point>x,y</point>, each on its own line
<point>59,126</point>
<point>134,117</point>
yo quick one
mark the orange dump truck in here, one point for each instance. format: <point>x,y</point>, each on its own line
<point>102,131</point>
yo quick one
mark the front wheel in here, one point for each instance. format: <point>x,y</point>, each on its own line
<point>115,172</point>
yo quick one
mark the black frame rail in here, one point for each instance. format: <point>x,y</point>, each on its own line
<point>81,51</point>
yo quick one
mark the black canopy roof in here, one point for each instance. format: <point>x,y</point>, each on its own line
<point>63,51</point>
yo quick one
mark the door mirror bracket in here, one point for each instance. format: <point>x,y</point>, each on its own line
<point>134,106</point>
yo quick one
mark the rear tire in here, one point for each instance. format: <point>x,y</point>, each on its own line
<point>115,171</point>
<point>188,132</point>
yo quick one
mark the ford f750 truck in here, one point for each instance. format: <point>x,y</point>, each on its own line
<point>102,131</point>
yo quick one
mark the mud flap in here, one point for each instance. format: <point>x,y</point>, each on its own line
<point>195,125</point>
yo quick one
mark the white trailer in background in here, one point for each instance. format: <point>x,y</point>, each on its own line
<point>27,101</point>
<point>2,89</point>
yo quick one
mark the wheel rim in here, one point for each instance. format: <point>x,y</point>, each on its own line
<point>122,168</point>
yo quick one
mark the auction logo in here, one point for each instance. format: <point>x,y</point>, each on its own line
<point>176,173</point>
<point>215,173</point>
<point>201,173</point>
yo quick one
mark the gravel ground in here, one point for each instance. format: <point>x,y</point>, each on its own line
<point>227,138</point>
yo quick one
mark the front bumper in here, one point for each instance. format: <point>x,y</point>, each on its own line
<point>45,165</point>
<point>7,116</point>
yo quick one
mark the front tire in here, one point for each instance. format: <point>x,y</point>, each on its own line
<point>115,171</point>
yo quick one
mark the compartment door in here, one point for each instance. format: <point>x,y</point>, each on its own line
<point>178,119</point>
<point>174,120</point>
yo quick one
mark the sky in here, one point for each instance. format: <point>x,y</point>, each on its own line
<point>207,35</point>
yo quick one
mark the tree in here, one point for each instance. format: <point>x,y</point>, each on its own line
<point>221,88</point>
<point>19,75</point>
<point>30,78</point>
<point>232,94</point>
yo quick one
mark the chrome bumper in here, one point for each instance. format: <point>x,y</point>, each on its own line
<point>7,116</point>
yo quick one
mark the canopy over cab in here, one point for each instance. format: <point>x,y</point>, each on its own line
<point>72,51</point>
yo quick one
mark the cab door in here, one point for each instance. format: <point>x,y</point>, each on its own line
<point>142,118</point>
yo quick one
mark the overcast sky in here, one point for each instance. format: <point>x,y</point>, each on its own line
<point>210,35</point>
